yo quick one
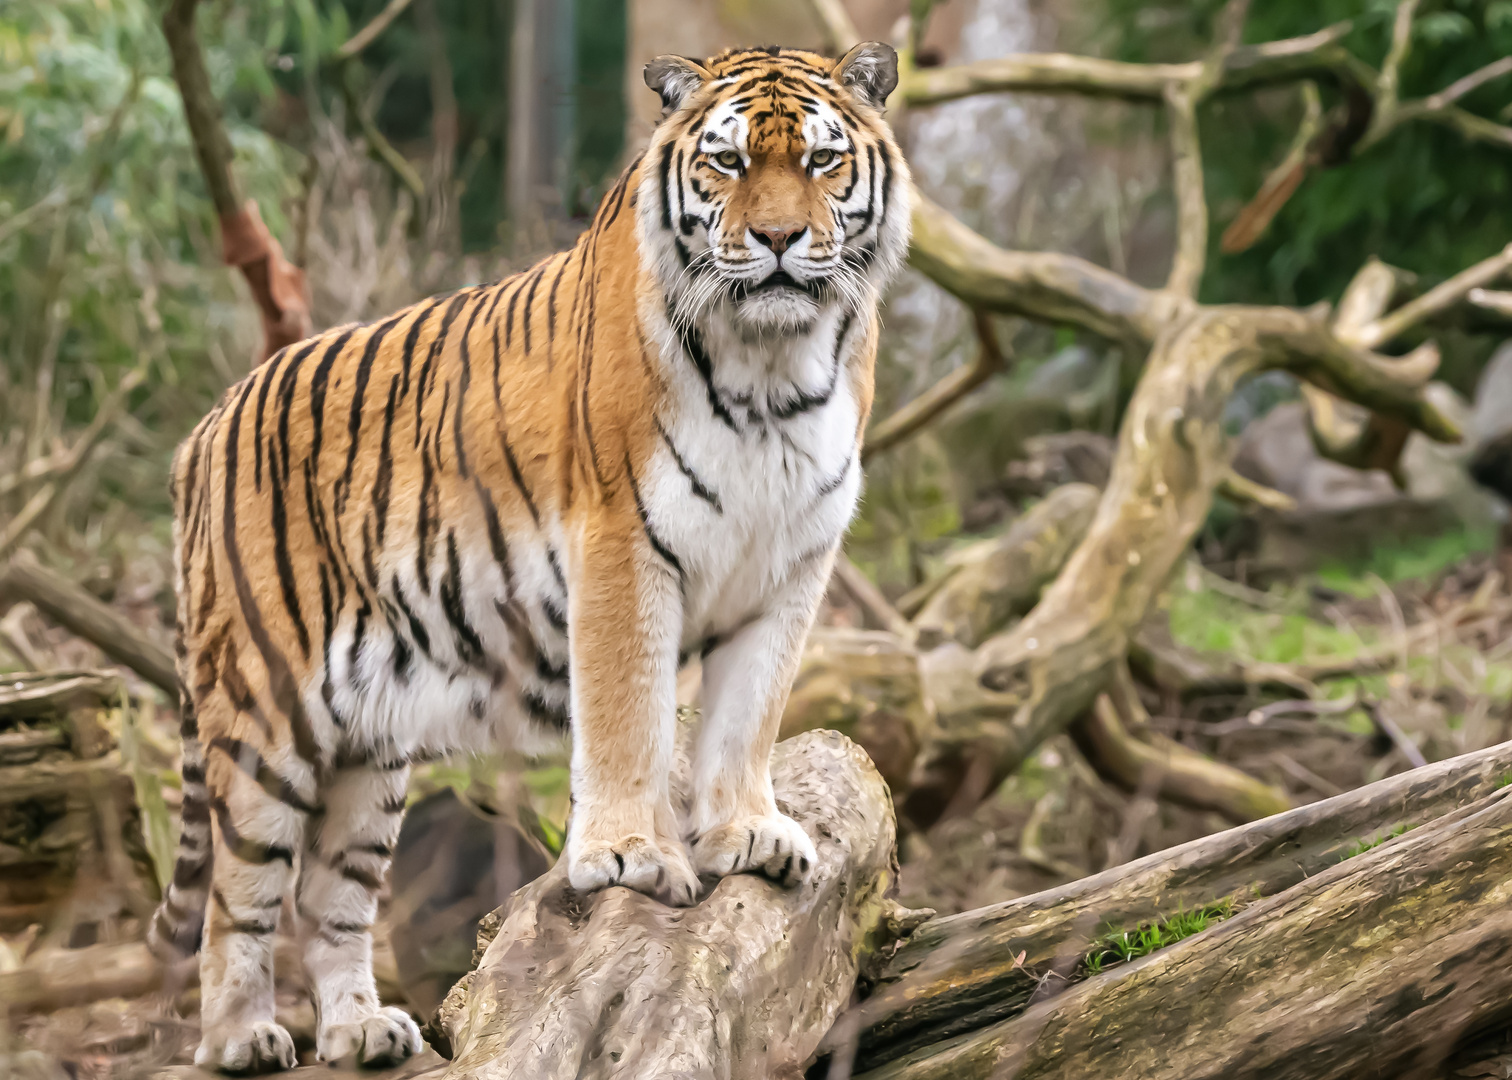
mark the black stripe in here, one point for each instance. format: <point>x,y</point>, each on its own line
<point>250,927</point>
<point>286,387</point>
<point>427,494</point>
<point>545,712</point>
<point>285,564</point>
<point>408,356</point>
<point>431,354</point>
<point>282,688</point>
<point>665,172</point>
<point>266,373</point>
<point>416,627</point>
<point>247,850</point>
<point>496,542</point>
<point>383,483</point>
<point>554,614</point>
<point>640,508</point>
<point>535,283</point>
<point>699,487</point>
<point>806,400</point>
<point>833,484</point>
<point>693,346</point>
<point>551,310</point>
<point>469,644</point>
<point>359,399</point>
<point>546,671</point>
<point>464,380</point>
<point>365,878</point>
<point>249,761</point>
<point>318,383</point>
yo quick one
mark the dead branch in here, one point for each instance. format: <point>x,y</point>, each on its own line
<point>1115,737</point>
<point>922,410</point>
<point>1044,286</point>
<point>80,613</point>
<point>369,33</point>
<point>964,972</point>
<point>1290,987</point>
<point>1191,200</point>
<point>277,285</point>
<point>994,581</point>
<point>866,685</point>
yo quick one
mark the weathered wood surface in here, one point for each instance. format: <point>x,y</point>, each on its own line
<point>1377,965</point>
<point>742,985</point>
<point>959,973</point>
<point>998,580</point>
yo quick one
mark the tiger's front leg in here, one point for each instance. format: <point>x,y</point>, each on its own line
<point>625,618</point>
<point>735,821</point>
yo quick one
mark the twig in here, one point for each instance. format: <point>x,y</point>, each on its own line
<point>1385,116</point>
<point>1437,299</point>
<point>55,199</point>
<point>68,465</point>
<point>1499,302</point>
<point>1242,489</point>
<point>1460,87</point>
<point>838,27</point>
<point>1191,198</point>
<point>1297,771</point>
<point>1394,732</point>
<point>378,145</point>
<point>1281,183</point>
<point>880,614</point>
<point>907,420</point>
<point>369,33</point>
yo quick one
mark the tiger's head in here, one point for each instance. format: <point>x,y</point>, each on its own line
<point>773,188</point>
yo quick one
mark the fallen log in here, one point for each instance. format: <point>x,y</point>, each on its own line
<point>1378,965</point>
<point>961,973</point>
<point>743,985</point>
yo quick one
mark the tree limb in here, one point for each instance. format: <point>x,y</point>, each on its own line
<point>1191,199</point>
<point>922,410</point>
<point>369,33</point>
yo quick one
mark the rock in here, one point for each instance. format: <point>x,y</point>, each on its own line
<point>1342,514</point>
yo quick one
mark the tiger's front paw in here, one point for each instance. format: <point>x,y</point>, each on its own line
<point>387,1037</point>
<point>774,845</point>
<point>637,862</point>
<point>257,1048</point>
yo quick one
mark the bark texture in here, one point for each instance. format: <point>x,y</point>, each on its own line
<point>743,985</point>
<point>1378,965</point>
<point>959,973</point>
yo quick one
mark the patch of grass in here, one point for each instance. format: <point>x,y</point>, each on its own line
<point>1506,778</point>
<point>1126,945</point>
<point>1208,621</point>
<point>1364,844</point>
<point>1406,560</point>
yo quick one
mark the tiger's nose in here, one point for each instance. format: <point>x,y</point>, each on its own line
<point>778,239</point>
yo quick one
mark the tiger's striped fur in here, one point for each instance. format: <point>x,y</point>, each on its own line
<point>522,505</point>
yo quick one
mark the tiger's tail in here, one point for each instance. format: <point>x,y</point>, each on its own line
<point>179,921</point>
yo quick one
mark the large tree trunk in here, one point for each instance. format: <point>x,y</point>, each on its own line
<point>962,973</point>
<point>1378,965</point>
<point>743,985</point>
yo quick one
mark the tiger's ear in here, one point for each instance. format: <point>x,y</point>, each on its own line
<point>870,70</point>
<point>675,78</point>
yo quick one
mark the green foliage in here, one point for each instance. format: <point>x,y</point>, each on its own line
<point>106,234</point>
<point>1414,559</point>
<point>1425,198</point>
<point>1125,945</point>
<point>1364,844</point>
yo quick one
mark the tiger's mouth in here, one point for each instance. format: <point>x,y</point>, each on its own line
<point>777,280</point>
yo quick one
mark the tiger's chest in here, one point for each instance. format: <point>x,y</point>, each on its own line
<point>756,473</point>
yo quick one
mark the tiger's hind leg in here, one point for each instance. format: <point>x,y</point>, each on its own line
<point>258,819</point>
<point>346,856</point>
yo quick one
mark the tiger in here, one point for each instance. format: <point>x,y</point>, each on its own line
<point>515,512</point>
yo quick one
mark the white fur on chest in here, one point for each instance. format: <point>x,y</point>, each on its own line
<point>750,480</point>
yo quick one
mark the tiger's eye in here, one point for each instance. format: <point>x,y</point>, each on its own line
<point>820,158</point>
<point>728,159</point>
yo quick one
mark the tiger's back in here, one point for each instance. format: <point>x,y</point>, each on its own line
<point>498,510</point>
